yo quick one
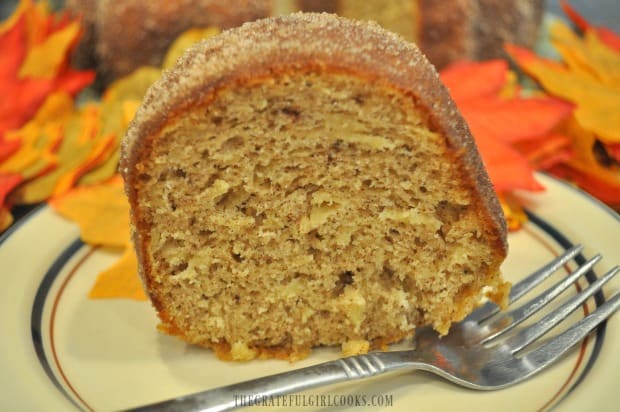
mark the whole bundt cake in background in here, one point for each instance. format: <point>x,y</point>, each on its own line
<point>131,33</point>
<point>123,35</point>
<point>306,180</point>
<point>446,30</point>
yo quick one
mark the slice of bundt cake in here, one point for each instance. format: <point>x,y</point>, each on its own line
<point>307,180</point>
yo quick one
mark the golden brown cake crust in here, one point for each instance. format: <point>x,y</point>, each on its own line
<point>325,43</point>
<point>320,44</point>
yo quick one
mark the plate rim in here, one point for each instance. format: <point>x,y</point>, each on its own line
<point>595,202</point>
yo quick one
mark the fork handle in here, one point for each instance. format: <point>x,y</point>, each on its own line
<point>253,391</point>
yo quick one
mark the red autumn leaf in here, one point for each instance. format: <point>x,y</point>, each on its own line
<point>599,188</point>
<point>7,183</point>
<point>546,152</point>
<point>514,120</point>
<point>15,41</point>
<point>22,95</point>
<point>468,80</point>
<point>507,168</point>
<point>8,147</point>
<point>587,75</point>
<point>613,150</point>
<point>499,122</point>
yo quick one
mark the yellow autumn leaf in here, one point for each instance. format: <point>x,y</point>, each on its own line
<point>184,41</point>
<point>584,158</point>
<point>39,137</point>
<point>588,55</point>
<point>101,211</point>
<point>589,77</point>
<point>117,108</point>
<point>6,218</point>
<point>513,211</point>
<point>120,281</point>
<point>45,60</point>
<point>82,149</point>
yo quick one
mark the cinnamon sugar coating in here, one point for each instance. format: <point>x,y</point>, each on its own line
<point>303,181</point>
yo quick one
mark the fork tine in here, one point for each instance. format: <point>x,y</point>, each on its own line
<point>508,320</point>
<point>524,286</point>
<point>530,334</point>
<point>550,351</point>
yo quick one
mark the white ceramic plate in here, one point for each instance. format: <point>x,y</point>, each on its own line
<point>60,351</point>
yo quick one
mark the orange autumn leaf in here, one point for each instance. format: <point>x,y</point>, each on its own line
<point>6,218</point>
<point>614,151</point>
<point>34,63</point>
<point>39,138</point>
<point>82,148</point>
<point>8,147</point>
<point>585,168</point>
<point>467,80</point>
<point>508,169</point>
<point>499,117</point>
<point>596,102</point>
<point>120,280</point>
<point>101,211</point>
<point>7,183</point>
<point>588,75</point>
<point>553,149</point>
<point>513,210</point>
<point>30,42</point>
<point>518,119</point>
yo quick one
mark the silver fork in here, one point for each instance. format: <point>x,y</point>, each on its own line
<point>483,352</point>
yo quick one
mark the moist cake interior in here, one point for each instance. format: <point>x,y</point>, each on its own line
<point>308,209</point>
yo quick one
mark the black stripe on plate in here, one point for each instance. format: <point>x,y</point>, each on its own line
<point>4,236</point>
<point>599,298</point>
<point>72,249</point>
<point>36,317</point>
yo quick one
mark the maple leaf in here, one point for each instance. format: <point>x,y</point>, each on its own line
<point>121,280</point>
<point>34,63</point>
<point>588,75</point>
<point>58,146</point>
<point>7,183</point>
<point>500,118</point>
<point>607,36</point>
<point>102,213</point>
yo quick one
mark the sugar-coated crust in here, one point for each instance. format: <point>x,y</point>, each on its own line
<point>296,42</point>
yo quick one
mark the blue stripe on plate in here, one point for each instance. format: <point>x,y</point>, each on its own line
<point>60,262</point>
<point>36,317</point>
